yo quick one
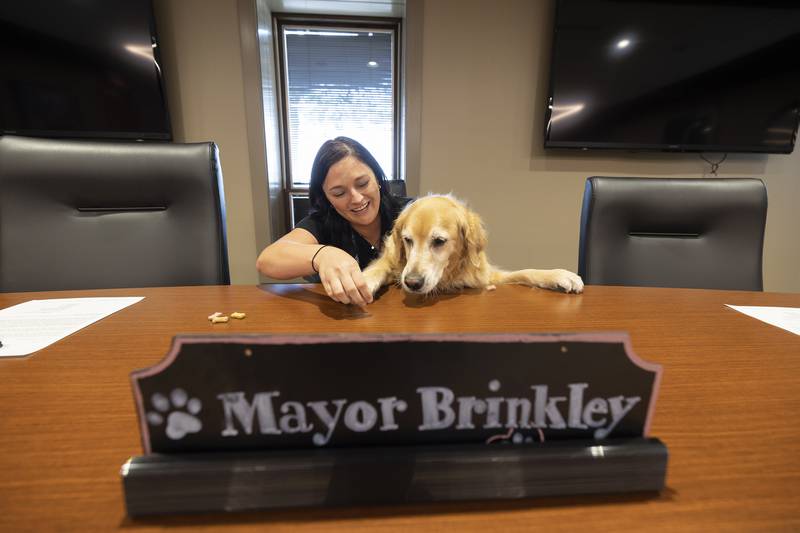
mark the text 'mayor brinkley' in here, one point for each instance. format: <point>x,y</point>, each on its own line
<point>440,409</point>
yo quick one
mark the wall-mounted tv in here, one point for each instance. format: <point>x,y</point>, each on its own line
<point>700,76</point>
<point>81,68</point>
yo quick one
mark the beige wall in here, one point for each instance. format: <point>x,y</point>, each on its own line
<point>484,88</point>
<point>481,88</point>
<point>201,51</point>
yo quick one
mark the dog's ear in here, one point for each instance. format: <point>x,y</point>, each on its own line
<point>393,248</point>
<point>475,239</point>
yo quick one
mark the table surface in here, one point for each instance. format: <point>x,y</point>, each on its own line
<point>727,409</point>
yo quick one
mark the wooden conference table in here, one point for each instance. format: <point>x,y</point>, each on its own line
<point>728,409</point>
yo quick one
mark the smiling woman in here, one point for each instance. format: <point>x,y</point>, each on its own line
<point>351,210</point>
<point>352,189</point>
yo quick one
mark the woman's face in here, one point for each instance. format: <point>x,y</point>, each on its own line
<point>352,189</point>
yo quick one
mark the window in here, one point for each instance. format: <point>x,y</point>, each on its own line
<point>338,77</point>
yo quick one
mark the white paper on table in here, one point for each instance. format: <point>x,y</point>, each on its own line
<point>787,318</point>
<point>33,325</point>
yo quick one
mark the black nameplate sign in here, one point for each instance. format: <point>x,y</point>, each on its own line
<point>213,393</point>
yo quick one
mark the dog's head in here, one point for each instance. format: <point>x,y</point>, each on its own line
<point>437,243</point>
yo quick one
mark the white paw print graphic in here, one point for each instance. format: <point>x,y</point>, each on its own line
<point>179,423</point>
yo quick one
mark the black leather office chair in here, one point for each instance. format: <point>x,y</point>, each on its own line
<point>78,214</point>
<point>696,233</point>
<point>397,187</point>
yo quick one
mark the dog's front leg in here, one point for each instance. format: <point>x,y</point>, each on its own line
<point>384,269</point>
<point>555,279</point>
<point>376,275</point>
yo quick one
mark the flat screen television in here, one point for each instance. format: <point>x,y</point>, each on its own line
<point>700,76</point>
<point>81,68</point>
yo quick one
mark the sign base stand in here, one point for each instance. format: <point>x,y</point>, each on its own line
<point>247,481</point>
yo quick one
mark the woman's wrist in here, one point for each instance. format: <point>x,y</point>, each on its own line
<point>314,257</point>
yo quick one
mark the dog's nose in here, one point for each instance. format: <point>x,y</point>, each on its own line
<point>414,282</point>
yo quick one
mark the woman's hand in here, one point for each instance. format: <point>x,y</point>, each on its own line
<point>341,277</point>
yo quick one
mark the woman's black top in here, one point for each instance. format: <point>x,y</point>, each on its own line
<point>354,243</point>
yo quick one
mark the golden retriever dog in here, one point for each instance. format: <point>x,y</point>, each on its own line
<point>437,245</point>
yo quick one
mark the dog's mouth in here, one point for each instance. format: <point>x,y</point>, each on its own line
<point>415,285</point>
<point>413,290</point>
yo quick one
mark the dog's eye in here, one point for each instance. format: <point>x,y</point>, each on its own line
<point>408,241</point>
<point>438,241</point>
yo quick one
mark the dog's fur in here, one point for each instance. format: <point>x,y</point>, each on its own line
<point>437,245</point>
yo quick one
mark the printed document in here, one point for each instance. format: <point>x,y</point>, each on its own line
<point>787,318</point>
<point>36,324</point>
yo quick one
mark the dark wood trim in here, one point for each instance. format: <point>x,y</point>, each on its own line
<point>336,20</point>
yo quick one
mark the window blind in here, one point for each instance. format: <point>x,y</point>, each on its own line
<point>339,82</point>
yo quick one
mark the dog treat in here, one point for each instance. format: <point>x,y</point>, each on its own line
<point>237,314</point>
<point>212,315</point>
<point>219,319</point>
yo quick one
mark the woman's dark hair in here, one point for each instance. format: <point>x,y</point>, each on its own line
<point>330,153</point>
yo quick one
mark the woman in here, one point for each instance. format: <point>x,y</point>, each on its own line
<point>351,210</point>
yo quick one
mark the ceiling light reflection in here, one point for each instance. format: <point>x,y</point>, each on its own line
<point>145,51</point>
<point>597,451</point>
<point>563,111</point>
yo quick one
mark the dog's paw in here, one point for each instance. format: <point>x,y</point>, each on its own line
<point>374,281</point>
<point>566,281</point>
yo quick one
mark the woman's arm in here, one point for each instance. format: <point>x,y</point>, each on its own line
<point>291,256</point>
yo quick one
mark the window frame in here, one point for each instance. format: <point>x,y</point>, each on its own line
<point>339,23</point>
